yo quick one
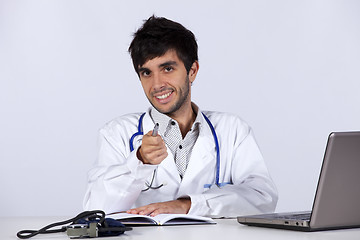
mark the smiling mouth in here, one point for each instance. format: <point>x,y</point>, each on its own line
<point>160,97</point>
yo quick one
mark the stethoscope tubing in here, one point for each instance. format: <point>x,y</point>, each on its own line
<point>217,150</point>
<point>139,132</point>
<point>217,147</point>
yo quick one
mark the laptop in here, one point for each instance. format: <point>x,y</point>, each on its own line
<point>337,199</point>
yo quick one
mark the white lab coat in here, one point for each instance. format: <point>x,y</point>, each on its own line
<point>116,181</point>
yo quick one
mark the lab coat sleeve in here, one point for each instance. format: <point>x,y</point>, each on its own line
<point>117,178</point>
<point>251,190</point>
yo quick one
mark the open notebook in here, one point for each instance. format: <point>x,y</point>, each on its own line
<point>161,219</point>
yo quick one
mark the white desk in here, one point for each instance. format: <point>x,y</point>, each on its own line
<point>225,229</point>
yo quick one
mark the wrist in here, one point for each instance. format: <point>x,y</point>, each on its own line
<point>186,203</point>
<point>138,155</point>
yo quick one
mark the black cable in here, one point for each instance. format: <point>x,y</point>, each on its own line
<point>24,234</point>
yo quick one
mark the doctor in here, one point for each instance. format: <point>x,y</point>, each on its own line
<point>197,162</point>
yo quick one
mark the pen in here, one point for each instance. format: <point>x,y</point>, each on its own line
<point>156,130</point>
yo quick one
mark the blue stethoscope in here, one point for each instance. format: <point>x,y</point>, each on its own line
<point>149,186</point>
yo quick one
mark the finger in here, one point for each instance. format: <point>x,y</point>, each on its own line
<point>132,211</point>
<point>153,156</point>
<point>159,158</point>
<point>148,210</point>
<point>136,210</point>
<point>144,210</point>
<point>151,148</point>
<point>156,154</point>
<point>158,140</point>
<point>153,139</point>
<point>164,208</point>
<point>139,211</point>
<point>157,212</point>
<point>160,209</point>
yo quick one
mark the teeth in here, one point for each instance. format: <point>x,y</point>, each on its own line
<point>163,96</point>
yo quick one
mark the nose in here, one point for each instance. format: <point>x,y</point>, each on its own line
<point>158,82</point>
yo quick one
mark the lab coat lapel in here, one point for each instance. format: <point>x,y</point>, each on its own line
<point>202,156</point>
<point>170,168</point>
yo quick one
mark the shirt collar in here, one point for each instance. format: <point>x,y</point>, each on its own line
<point>165,120</point>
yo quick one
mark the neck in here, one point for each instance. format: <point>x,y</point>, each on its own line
<point>185,117</point>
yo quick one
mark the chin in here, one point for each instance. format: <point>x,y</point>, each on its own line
<point>166,110</point>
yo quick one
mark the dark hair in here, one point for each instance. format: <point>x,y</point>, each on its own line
<point>157,36</point>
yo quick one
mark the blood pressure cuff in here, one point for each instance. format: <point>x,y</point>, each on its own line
<point>90,228</point>
<point>84,225</point>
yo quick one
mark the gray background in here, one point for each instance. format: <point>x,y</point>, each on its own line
<point>289,68</point>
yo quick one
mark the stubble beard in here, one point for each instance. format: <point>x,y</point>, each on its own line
<point>184,93</point>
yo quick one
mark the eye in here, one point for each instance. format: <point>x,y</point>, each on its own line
<point>168,69</point>
<point>145,73</point>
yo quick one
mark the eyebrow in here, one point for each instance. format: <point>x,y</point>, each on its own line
<point>142,69</point>
<point>168,63</point>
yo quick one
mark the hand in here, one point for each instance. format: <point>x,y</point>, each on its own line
<point>181,205</point>
<point>152,149</point>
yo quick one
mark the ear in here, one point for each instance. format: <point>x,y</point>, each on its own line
<point>193,71</point>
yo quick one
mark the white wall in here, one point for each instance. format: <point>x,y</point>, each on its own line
<point>290,68</point>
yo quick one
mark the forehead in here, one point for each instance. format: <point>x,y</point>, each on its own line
<point>169,56</point>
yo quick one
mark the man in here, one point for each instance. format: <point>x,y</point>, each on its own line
<point>199,162</point>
